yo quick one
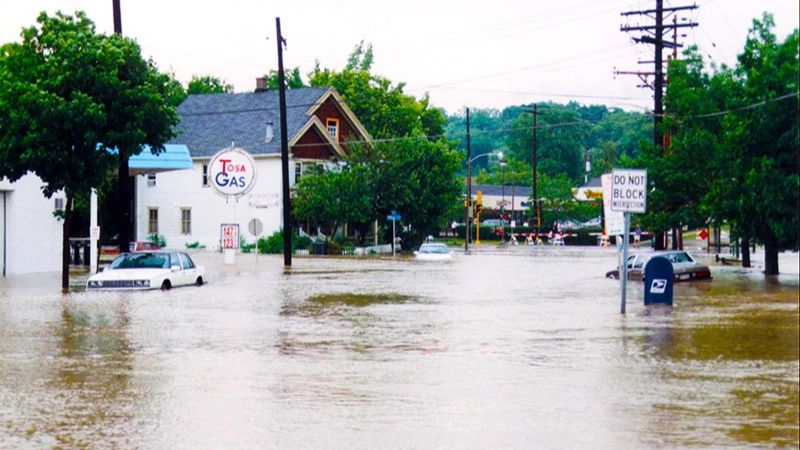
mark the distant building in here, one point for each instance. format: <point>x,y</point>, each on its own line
<point>183,208</point>
<point>592,190</point>
<point>515,200</point>
<point>30,235</point>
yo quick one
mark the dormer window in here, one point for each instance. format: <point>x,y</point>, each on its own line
<point>333,128</point>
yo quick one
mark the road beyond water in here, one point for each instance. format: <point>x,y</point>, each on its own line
<point>521,348</point>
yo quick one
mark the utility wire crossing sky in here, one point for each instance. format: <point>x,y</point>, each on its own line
<point>463,53</point>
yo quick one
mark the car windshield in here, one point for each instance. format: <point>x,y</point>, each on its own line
<point>435,249</point>
<point>141,261</point>
<point>679,257</point>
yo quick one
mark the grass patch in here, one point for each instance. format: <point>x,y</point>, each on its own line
<point>357,300</point>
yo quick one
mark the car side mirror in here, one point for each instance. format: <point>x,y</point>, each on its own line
<point>416,252</point>
<point>175,268</point>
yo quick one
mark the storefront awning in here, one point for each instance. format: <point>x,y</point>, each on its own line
<point>174,157</point>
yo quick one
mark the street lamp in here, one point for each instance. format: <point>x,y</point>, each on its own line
<point>503,204</point>
<point>468,203</point>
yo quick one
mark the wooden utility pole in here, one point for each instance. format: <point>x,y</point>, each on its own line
<point>536,210</point>
<point>468,204</point>
<point>287,202</point>
<point>117,18</point>
<point>654,35</point>
<point>123,169</point>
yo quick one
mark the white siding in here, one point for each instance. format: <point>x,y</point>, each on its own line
<point>183,189</point>
<point>2,232</point>
<point>32,233</point>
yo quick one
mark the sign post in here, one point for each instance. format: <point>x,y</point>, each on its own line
<point>94,233</point>
<point>229,239</point>
<point>232,174</point>
<point>628,194</point>
<point>393,217</point>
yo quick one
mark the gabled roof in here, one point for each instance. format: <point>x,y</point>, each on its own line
<point>211,122</point>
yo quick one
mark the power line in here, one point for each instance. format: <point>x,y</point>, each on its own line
<point>592,53</point>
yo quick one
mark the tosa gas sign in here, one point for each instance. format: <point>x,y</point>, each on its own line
<point>232,172</point>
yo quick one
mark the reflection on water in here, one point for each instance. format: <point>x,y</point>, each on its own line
<point>521,348</point>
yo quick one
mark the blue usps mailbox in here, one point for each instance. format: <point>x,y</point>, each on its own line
<point>658,282</point>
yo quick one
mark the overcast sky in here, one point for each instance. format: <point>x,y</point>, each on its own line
<point>464,53</point>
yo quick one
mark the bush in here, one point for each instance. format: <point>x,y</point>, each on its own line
<point>274,243</point>
<point>301,242</point>
<point>195,245</point>
<point>158,240</point>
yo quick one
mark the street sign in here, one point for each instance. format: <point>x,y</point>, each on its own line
<point>629,190</point>
<point>615,222</point>
<point>394,216</point>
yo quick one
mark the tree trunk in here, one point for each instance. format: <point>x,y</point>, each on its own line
<point>658,241</point>
<point>675,238</point>
<point>65,245</point>
<point>770,254</point>
<point>125,202</point>
<point>745,247</point>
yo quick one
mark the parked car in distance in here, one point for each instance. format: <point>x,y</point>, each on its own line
<point>591,223</point>
<point>148,270</point>
<point>684,266</point>
<point>433,252</point>
<point>143,246</point>
<point>493,223</point>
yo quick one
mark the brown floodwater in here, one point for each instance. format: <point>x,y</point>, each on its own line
<point>515,348</point>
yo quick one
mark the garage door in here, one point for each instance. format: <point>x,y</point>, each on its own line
<point>2,233</point>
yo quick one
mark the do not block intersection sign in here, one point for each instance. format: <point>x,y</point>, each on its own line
<point>629,190</point>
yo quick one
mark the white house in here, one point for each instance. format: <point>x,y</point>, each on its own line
<point>30,235</point>
<point>182,207</point>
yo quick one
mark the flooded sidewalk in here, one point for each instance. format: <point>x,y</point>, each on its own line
<point>502,348</point>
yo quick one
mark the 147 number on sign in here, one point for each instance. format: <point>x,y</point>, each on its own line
<point>229,236</point>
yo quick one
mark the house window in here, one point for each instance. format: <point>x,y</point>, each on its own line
<point>205,175</point>
<point>59,204</point>
<point>151,179</point>
<point>302,169</point>
<point>152,220</point>
<point>333,128</point>
<point>186,220</point>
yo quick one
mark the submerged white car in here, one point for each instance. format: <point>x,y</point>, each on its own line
<point>433,252</point>
<point>148,270</point>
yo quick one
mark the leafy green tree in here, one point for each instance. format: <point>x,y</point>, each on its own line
<point>560,140</point>
<point>292,78</point>
<point>487,134</point>
<point>335,197</point>
<point>382,106</point>
<point>678,173</point>
<point>766,140</point>
<point>68,96</point>
<point>416,177</point>
<point>207,84</point>
<point>739,125</point>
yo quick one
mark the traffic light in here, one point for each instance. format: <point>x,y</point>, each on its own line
<point>480,198</point>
